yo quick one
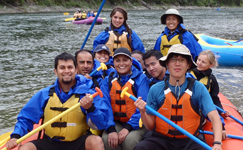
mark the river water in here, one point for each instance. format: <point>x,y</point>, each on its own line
<point>29,43</point>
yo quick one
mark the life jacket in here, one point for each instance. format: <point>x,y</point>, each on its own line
<point>182,112</point>
<point>69,127</point>
<point>207,80</point>
<point>83,15</point>
<point>123,108</point>
<point>177,39</point>
<point>116,40</point>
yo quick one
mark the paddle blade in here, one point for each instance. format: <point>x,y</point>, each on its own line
<point>4,138</point>
<point>66,13</point>
<point>69,19</point>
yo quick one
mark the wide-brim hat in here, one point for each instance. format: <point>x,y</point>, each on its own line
<point>101,47</point>
<point>122,51</point>
<point>178,49</point>
<point>171,12</point>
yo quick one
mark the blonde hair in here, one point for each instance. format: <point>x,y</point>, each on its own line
<point>211,57</point>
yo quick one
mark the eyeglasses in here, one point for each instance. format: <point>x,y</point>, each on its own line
<point>181,60</point>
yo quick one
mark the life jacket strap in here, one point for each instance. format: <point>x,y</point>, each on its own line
<point>58,108</point>
<point>120,114</point>
<point>120,102</point>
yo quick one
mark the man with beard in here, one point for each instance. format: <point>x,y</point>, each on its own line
<point>72,130</point>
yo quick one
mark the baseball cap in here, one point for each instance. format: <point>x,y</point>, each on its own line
<point>101,47</point>
<point>178,49</point>
<point>122,51</point>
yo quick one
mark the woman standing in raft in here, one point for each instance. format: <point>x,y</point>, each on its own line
<point>175,33</point>
<point>119,34</point>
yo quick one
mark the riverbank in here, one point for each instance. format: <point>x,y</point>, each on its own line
<point>37,8</point>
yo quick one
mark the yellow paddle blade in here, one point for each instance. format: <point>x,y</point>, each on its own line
<point>66,13</point>
<point>103,18</point>
<point>4,138</point>
<point>69,19</point>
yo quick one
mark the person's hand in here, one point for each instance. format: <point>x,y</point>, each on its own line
<point>122,135</point>
<point>140,104</point>
<point>12,143</point>
<point>113,140</point>
<point>86,101</point>
<point>224,135</point>
<point>217,147</point>
<point>87,76</point>
<point>227,114</point>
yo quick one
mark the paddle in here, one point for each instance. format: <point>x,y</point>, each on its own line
<point>124,92</point>
<point>93,23</point>
<point>228,135</point>
<point>102,66</point>
<point>55,118</point>
<point>223,111</point>
<point>4,138</point>
<point>70,19</point>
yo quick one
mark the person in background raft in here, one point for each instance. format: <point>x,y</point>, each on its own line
<point>203,73</point>
<point>77,14</point>
<point>122,131</point>
<point>139,56</point>
<point>119,34</point>
<point>83,15</point>
<point>102,54</point>
<point>182,100</point>
<point>175,33</point>
<point>49,102</point>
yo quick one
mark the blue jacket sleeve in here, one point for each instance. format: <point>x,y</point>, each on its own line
<point>192,44</point>
<point>31,113</point>
<point>142,88</point>
<point>137,44</point>
<point>158,43</point>
<point>98,113</point>
<point>102,38</point>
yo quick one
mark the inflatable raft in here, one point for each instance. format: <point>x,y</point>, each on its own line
<point>88,21</point>
<point>231,126</point>
<point>228,52</point>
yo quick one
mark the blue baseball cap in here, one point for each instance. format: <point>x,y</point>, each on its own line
<point>101,47</point>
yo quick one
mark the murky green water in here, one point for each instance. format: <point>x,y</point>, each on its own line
<point>29,43</point>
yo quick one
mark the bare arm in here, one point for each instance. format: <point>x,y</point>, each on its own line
<point>217,127</point>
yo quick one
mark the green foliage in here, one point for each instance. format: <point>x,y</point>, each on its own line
<point>96,3</point>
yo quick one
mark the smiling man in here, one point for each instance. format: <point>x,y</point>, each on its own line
<point>49,102</point>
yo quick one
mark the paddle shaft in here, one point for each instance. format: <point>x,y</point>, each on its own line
<point>228,135</point>
<point>237,120</point>
<point>93,23</point>
<point>51,121</point>
<point>172,124</point>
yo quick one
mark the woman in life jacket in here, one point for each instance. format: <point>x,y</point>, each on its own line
<point>122,131</point>
<point>102,54</point>
<point>203,73</point>
<point>175,33</point>
<point>118,34</point>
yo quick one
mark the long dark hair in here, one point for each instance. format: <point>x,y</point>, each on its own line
<point>124,12</point>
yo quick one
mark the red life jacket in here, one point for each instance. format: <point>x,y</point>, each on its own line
<point>123,108</point>
<point>181,112</point>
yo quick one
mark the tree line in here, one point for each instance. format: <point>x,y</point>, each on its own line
<point>95,3</point>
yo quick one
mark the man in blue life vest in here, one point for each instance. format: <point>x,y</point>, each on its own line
<point>181,99</point>
<point>72,130</point>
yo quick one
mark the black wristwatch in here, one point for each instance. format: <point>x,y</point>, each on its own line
<point>217,142</point>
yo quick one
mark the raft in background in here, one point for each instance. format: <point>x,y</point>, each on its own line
<point>88,21</point>
<point>231,127</point>
<point>228,52</point>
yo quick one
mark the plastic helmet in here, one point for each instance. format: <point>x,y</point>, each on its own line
<point>171,12</point>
